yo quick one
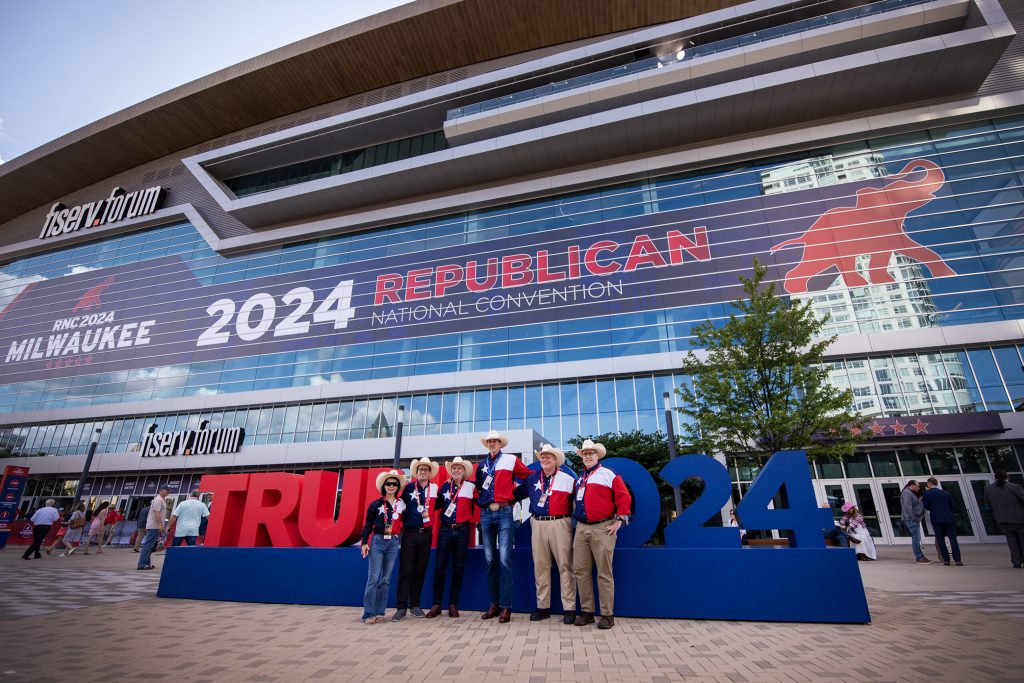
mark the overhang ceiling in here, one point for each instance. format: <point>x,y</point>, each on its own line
<point>411,41</point>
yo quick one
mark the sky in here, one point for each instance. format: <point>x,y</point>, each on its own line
<point>65,63</point>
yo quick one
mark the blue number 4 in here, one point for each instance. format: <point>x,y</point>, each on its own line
<point>802,516</point>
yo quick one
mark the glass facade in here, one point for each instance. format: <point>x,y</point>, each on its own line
<point>973,222</point>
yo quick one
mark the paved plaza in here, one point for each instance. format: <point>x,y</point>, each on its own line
<point>96,618</point>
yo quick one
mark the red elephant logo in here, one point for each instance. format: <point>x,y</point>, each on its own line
<point>91,299</point>
<point>874,227</point>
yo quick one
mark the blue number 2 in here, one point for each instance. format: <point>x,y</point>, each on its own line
<point>688,530</point>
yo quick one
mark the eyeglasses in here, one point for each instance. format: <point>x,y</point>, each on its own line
<point>391,483</point>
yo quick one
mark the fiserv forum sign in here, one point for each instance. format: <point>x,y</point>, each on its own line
<point>579,269</point>
<point>120,205</point>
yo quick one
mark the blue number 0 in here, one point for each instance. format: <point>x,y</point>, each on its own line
<point>803,516</point>
<point>688,530</point>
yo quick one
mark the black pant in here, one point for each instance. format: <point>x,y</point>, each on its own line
<point>39,532</point>
<point>452,545</point>
<point>412,566</point>
<point>942,531</point>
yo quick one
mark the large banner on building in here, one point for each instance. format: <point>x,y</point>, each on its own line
<point>156,312</point>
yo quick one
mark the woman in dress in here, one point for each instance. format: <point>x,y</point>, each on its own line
<point>857,531</point>
<point>384,521</point>
<point>75,525</point>
<point>96,529</point>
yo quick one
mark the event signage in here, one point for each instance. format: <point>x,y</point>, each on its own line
<point>11,489</point>
<point>200,441</point>
<point>266,519</point>
<point>121,318</point>
<point>119,206</point>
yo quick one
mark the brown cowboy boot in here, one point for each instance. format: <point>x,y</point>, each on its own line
<point>491,612</point>
<point>453,611</point>
<point>506,616</point>
<point>435,611</point>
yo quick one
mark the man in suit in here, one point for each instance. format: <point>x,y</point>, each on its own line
<point>939,504</point>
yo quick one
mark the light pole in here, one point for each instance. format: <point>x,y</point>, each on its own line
<point>88,463</point>
<point>398,437</point>
<point>670,429</point>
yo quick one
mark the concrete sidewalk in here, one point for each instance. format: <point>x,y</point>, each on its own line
<point>923,628</point>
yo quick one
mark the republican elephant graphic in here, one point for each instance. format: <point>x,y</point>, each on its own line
<point>874,227</point>
<point>91,299</point>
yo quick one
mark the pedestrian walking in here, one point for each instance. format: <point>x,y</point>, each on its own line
<point>939,505</point>
<point>42,522</point>
<point>155,525</point>
<point>384,524</point>
<point>75,526</point>
<point>1007,502</point>
<point>96,529</point>
<point>109,523</point>
<point>187,518</point>
<point>140,527</point>
<point>456,501</point>
<point>911,514</point>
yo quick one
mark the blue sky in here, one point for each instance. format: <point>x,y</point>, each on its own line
<point>65,64</point>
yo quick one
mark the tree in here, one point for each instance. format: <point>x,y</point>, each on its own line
<point>760,385</point>
<point>651,452</point>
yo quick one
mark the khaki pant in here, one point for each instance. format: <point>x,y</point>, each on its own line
<point>594,544</point>
<point>553,539</point>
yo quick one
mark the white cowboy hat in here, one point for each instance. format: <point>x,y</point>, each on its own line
<point>466,465</point>
<point>434,467</point>
<point>494,435</point>
<point>589,445</point>
<point>391,474</point>
<point>548,448</point>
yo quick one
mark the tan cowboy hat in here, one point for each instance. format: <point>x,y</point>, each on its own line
<point>548,448</point>
<point>466,465</point>
<point>434,467</point>
<point>589,445</point>
<point>391,474</point>
<point>494,435</point>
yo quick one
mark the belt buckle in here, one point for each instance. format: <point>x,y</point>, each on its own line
<point>493,507</point>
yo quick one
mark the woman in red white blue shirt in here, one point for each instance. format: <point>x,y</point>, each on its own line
<point>384,523</point>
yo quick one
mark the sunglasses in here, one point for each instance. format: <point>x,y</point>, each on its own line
<point>391,483</point>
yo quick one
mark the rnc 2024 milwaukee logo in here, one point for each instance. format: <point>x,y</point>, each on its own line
<point>873,227</point>
<point>77,337</point>
<point>118,206</point>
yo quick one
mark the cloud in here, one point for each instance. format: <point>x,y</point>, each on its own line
<point>78,270</point>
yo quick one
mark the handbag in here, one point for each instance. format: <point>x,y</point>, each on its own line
<point>77,523</point>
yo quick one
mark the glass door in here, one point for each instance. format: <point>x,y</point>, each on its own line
<point>988,529</point>
<point>891,515</point>
<point>868,498</point>
<point>966,522</point>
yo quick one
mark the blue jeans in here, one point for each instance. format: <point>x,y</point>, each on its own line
<point>189,540</point>
<point>838,535</point>
<point>915,537</point>
<point>383,555</point>
<point>496,530</point>
<point>148,544</point>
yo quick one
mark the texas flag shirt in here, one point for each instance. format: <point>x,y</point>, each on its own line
<point>495,478</point>
<point>550,496</point>
<point>419,501</point>
<point>463,495</point>
<point>601,494</point>
<point>379,515</point>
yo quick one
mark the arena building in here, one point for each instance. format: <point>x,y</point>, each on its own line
<point>510,214</point>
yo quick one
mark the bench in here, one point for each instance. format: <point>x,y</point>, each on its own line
<point>780,542</point>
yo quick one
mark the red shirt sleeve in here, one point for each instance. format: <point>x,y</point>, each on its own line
<point>520,471</point>
<point>622,498</point>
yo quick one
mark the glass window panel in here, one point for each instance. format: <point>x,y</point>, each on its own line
<point>866,504</point>
<point>1003,458</point>
<point>552,404</point>
<point>857,466</point>
<point>891,495</point>
<point>973,460</point>
<point>943,461</point>
<point>884,464</point>
<point>828,468</point>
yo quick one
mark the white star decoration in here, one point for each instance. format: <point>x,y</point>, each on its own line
<point>382,510</point>
<point>448,494</point>
<point>538,486</point>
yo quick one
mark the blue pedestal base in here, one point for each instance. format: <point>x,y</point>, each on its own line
<point>749,584</point>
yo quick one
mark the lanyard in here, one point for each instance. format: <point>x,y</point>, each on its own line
<point>490,463</point>
<point>422,494</point>
<point>545,490</point>
<point>455,491</point>
<point>586,475</point>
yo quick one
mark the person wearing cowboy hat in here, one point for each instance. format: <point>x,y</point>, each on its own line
<point>417,536</point>
<point>601,507</point>
<point>384,521</point>
<point>550,491</point>
<point>454,507</point>
<point>495,482</point>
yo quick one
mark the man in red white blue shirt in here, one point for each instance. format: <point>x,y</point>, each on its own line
<point>455,505</point>
<point>495,482</point>
<point>602,504</point>
<point>550,491</point>
<point>417,535</point>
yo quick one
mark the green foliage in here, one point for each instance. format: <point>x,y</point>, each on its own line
<point>760,386</point>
